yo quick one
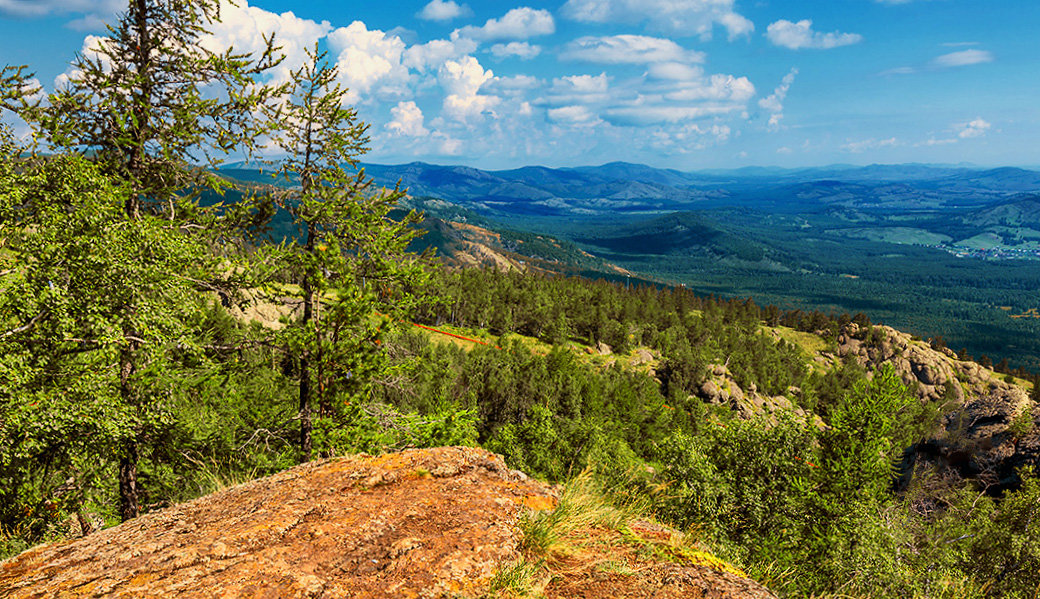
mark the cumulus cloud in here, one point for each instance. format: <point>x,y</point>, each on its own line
<point>975,128</point>
<point>674,71</point>
<point>95,13</point>
<point>858,147</point>
<point>573,115</point>
<point>797,36</point>
<point>91,50</point>
<point>407,120</point>
<point>243,27</point>
<point>631,49</point>
<point>518,24</point>
<point>439,10</point>
<point>578,89</point>
<point>686,17</point>
<point>432,54</point>
<point>774,103</point>
<point>514,85</point>
<point>963,58</point>
<point>722,88</point>
<point>643,115</point>
<point>958,131</point>
<point>521,50</point>
<point>462,80</point>
<point>370,62</point>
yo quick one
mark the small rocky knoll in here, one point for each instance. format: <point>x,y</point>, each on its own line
<point>442,522</point>
<point>988,427</point>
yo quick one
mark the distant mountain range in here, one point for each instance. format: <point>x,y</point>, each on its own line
<point>624,187</point>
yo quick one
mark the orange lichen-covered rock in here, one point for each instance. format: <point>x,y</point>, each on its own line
<point>421,523</point>
<point>416,524</point>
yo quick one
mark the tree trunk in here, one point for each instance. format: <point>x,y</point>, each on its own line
<point>129,499</point>
<point>306,425</point>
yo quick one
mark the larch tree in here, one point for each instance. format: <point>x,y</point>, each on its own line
<point>348,253</point>
<point>152,107</point>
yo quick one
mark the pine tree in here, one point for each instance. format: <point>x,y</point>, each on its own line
<point>350,254</point>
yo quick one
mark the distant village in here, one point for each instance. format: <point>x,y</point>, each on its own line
<point>997,253</point>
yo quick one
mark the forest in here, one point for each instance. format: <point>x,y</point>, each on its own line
<point>155,348</point>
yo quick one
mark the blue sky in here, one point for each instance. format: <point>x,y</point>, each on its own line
<point>687,84</point>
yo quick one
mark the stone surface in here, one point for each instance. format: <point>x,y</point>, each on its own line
<point>416,524</point>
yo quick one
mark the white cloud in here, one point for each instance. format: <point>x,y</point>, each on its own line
<point>684,138</point>
<point>578,89</point>
<point>796,36</point>
<point>858,147</point>
<point>947,61</point>
<point>643,115</point>
<point>963,58</point>
<point>91,50</point>
<point>243,28</point>
<point>462,80</point>
<point>679,17</point>
<point>407,120</point>
<point>899,71</point>
<point>518,24</point>
<point>432,54</point>
<point>449,146</point>
<point>975,128</point>
<point>522,50</point>
<point>573,115</point>
<point>585,84</point>
<point>725,88</point>
<point>675,71</point>
<point>95,12</point>
<point>370,62</point>
<point>630,49</point>
<point>463,77</point>
<point>439,10</point>
<point>514,85</point>
<point>774,103</point>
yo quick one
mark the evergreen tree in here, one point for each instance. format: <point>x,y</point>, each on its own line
<point>137,102</point>
<point>136,106</point>
<point>18,90</point>
<point>347,250</point>
<point>75,277</point>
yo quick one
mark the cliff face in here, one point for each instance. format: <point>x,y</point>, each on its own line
<point>422,523</point>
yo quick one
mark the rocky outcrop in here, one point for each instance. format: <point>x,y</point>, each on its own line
<point>986,427</point>
<point>721,388</point>
<point>421,523</point>
<point>986,424</point>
